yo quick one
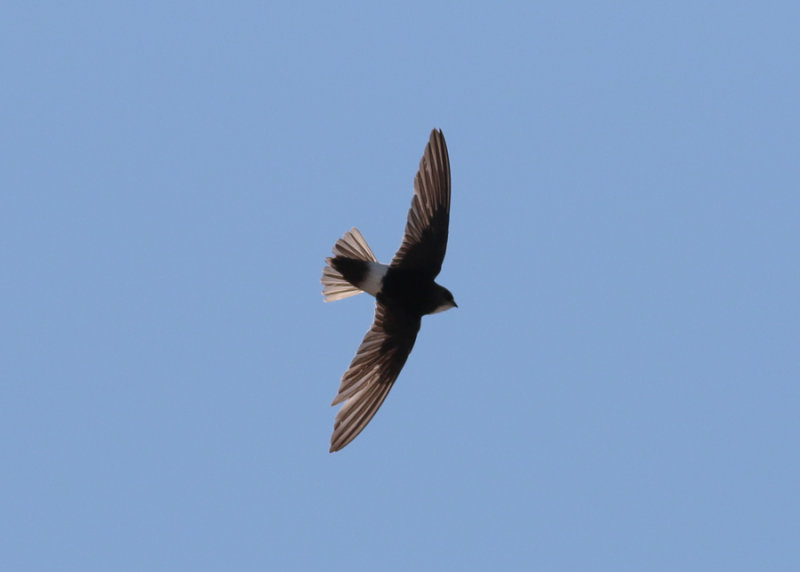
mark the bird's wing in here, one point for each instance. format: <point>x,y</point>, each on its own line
<point>372,372</point>
<point>425,240</point>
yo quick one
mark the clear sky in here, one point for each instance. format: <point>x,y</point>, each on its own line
<point>618,389</point>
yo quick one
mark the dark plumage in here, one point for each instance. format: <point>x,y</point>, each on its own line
<point>405,291</point>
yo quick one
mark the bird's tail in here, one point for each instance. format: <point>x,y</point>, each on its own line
<point>351,246</point>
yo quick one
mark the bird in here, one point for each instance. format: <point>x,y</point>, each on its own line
<point>404,291</point>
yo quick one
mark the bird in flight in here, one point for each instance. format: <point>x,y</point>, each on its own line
<point>404,290</point>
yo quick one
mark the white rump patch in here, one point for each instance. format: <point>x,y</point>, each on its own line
<point>352,245</point>
<point>375,274</point>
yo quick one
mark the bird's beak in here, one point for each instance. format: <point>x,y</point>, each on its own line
<point>454,304</point>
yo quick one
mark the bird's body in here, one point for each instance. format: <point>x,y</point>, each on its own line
<point>405,291</point>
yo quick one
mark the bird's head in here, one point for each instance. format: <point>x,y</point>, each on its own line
<point>444,300</point>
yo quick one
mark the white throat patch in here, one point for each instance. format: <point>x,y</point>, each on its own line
<point>443,307</point>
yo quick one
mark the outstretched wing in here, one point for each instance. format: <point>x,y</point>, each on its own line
<point>372,372</point>
<point>425,240</point>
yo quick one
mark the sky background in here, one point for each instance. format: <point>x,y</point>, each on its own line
<point>618,389</point>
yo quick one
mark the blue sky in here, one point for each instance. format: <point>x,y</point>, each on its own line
<point>618,389</point>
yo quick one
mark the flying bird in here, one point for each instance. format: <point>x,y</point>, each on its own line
<point>404,290</point>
